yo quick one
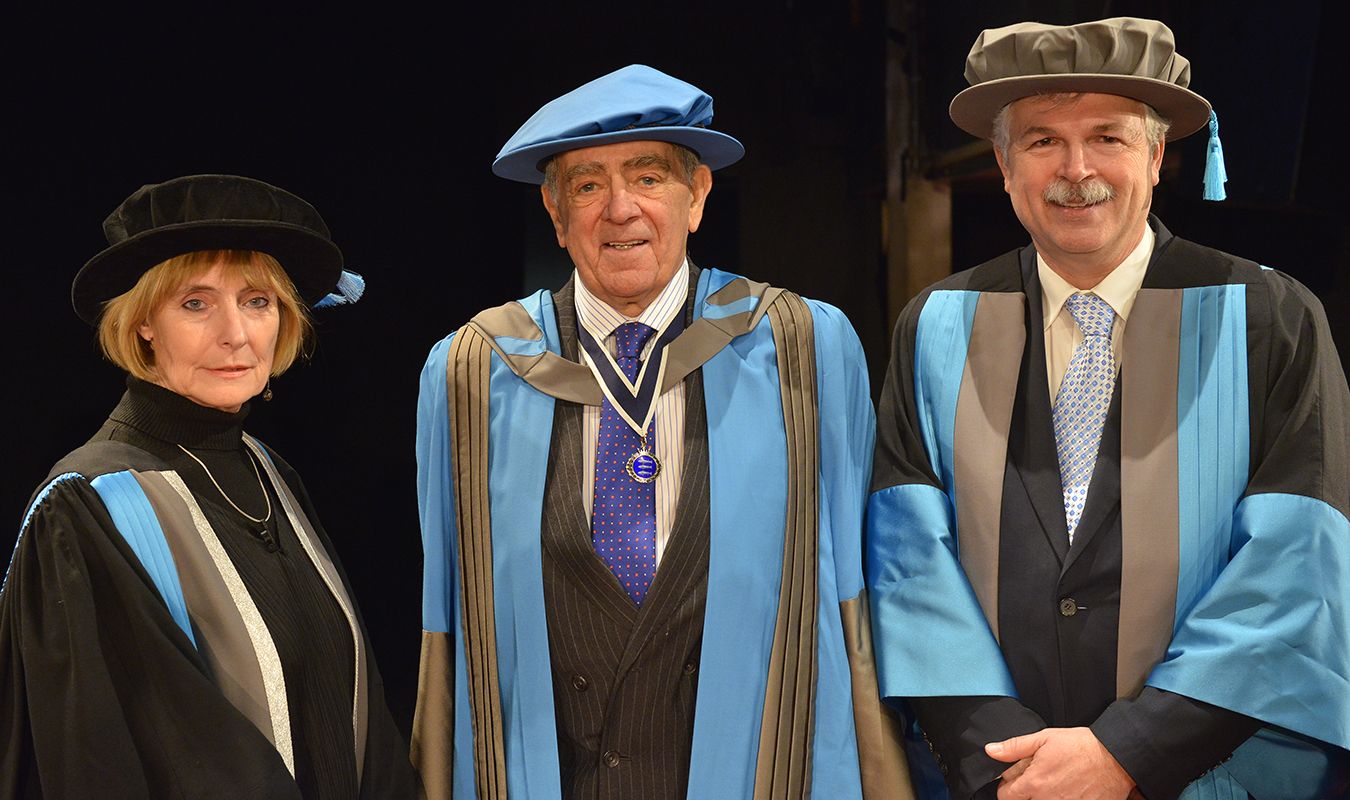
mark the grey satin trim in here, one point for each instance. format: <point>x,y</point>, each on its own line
<point>983,418</point>
<point>433,728</point>
<point>783,767</point>
<point>1149,515</point>
<point>510,320</point>
<point>738,289</point>
<point>467,376</point>
<point>881,741</point>
<point>573,382</point>
<point>323,564</point>
<point>245,664</point>
<point>548,372</point>
<point>706,337</point>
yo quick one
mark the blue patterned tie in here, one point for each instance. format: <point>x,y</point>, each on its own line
<point>1083,399</point>
<point>623,520</point>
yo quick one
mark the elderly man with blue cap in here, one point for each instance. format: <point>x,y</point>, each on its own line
<point>642,500</point>
<point>1108,552</point>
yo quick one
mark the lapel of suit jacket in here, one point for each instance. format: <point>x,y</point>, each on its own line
<point>684,565</point>
<point>1031,445</point>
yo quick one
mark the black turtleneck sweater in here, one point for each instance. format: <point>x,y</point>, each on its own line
<point>312,636</point>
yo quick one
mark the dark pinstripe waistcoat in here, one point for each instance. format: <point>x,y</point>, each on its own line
<point>624,678</point>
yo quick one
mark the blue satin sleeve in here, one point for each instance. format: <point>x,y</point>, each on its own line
<point>847,435</point>
<point>932,639</point>
<point>847,440</point>
<point>1269,638</point>
<point>435,492</point>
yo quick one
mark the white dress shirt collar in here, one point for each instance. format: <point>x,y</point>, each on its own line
<point>1118,288</point>
<point>600,319</point>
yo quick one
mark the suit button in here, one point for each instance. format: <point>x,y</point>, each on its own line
<point>579,683</point>
<point>611,758</point>
<point>1067,607</point>
<point>690,668</point>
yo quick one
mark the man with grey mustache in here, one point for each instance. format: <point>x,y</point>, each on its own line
<point>1090,192</point>
<point>1108,553</point>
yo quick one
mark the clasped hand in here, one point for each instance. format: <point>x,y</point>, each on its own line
<point>1053,763</point>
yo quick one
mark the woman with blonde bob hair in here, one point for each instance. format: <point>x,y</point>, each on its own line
<point>119,327</point>
<point>174,621</point>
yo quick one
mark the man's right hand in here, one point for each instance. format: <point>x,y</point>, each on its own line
<point>1053,763</point>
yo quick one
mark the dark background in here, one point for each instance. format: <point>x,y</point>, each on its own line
<point>387,122</point>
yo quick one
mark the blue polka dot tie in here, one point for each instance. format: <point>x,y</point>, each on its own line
<point>623,519</point>
<point>1082,402</point>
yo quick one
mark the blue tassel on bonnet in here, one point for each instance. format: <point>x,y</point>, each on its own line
<point>350,287</point>
<point>1216,175</point>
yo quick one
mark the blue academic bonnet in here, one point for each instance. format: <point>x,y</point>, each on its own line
<point>633,103</point>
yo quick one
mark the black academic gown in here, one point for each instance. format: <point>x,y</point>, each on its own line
<point>104,693</point>
<point>1061,606</point>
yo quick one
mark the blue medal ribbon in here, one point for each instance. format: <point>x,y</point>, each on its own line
<point>635,402</point>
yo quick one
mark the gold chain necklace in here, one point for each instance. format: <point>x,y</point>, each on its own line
<point>233,505</point>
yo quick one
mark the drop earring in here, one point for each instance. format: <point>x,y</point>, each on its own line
<point>267,392</point>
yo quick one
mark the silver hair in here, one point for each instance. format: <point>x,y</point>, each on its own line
<point>1155,125</point>
<point>686,162</point>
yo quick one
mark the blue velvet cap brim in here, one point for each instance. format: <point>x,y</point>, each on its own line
<point>715,149</point>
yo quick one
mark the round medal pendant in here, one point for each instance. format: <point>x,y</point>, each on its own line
<point>643,467</point>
